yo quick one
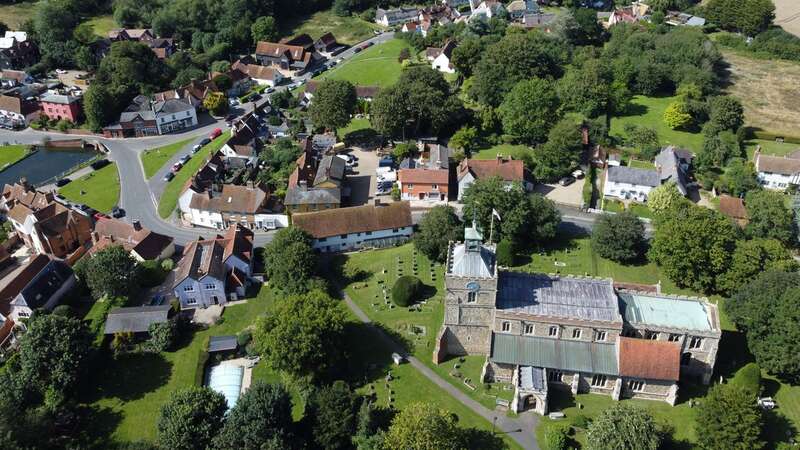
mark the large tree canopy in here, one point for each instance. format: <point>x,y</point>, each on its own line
<point>752,258</point>
<point>530,110</point>
<point>560,154</point>
<point>769,217</point>
<point>423,426</point>
<point>624,427</point>
<point>191,418</point>
<point>619,237</point>
<point>436,229</point>
<point>112,272</point>
<point>261,419</point>
<point>289,260</point>
<point>331,411</point>
<point>746,16</point>
<point>729,418</point>
<point>334,102</point>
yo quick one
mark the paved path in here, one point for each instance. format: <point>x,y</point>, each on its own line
<point>520,428</point>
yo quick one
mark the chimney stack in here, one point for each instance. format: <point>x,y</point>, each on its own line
<point>137,225</point>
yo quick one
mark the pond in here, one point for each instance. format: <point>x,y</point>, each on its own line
<point>44,164</point>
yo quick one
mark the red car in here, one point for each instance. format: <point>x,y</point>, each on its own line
<point>215,134</point>
<point>176,167</point>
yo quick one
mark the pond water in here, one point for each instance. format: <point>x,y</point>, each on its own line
<point>45,164</point>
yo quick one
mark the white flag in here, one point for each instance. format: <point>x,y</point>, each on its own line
<point>495,213</point>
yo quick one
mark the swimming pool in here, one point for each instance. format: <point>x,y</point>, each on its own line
<point>227,380</point>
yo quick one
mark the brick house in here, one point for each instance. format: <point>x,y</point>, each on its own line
<point>58,106</point>
<point>41,283</point>
<point>509,170</point>
<point>423,184</point>
<point>17,111</point>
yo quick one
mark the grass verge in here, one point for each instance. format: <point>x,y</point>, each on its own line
<point>169,198</point>
<point>155,158</point>
<point>9,154</point>
<point>375,66</point>
<point>99,189</point>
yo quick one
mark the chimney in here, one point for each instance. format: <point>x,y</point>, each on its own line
<point>137,226</point>
<point>251,184</point>
<point>210,195</point>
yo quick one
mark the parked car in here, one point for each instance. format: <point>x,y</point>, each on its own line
<point>767,403</point>
<point>376,32</point>
<point>566,181</point>
<point>332,63</point>
<point>215,134</point>
<point>369,44</point>
<point>63,182</point>
<point>177,166</point>
<point>271,90</point>
<point>578,174</point>
<point>61,71</point>
<point>233,102</point>
<point>196,148</point>
<point>357,50</point>
<point>117,212</point>
<point>100,216</point>
<point>185,158</point>
<point>255,97</point>
<point>386,161</point>
<point>99,164</point>
<point>169,176</point>
<point>205,141</point>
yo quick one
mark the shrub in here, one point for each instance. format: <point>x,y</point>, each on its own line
<point>167,265</point>
<point>244,338</point>
<point>151,273</point>
<point>748,378</point>
<point>202,360</point>
<point>555,438</point>
<point>405,290</point>
<point>581,421</point>
<point>505,253</point>
<point>162,336</point>
<point>63,310</point>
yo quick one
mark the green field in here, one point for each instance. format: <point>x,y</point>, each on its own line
<point>155,158</point>
<point>649,111</point>
<point>515,151</point>
<point>375,66</point>
<point>9,154</point>
<point>99,189</point>
<point>103,24</point>
<point>15,15</point>
<point>354,125</point>
<point>347,30</point>
<point>169,198</point>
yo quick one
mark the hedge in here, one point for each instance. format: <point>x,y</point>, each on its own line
<point>202,359</point>
<point>748,378</point>
<point>505,253</point>
<point>769,136</point>
<point>96,317</point>
<point>589,187</point>
<point>405,290</point>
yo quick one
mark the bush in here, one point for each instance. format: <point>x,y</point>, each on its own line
<point>244,338</point>
<point>162,336</point>
<point>405,290</point>
<point>167,265</point>
<point>505,253</point>
<point>151,273</point>
<point>588,187</point>
<point>63,310</point>
<point>555,438</point>
<point>619,237</point>
<point>748,378</point>
<point>581,421</point>
<point>202,360</point>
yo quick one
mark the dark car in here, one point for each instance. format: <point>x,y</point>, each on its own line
<point>99,164</point>
<point>205,141</point>
<point>357,50</point>
<point>386,161</point>
<point>255,97</point>
<point>63,182</point>
<point>117,212</point>
<point>169,176</point>
<point>230,117</point>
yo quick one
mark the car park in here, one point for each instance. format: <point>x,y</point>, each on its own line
<point>169,176</point>
<point>99,164</point>
<point>63,182</point>
<point>566,181</point>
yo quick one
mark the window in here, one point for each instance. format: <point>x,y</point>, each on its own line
<point>696,342</point>
<point>552,332</point>
<point>188,289</point>
<point>506,326</point>
<point>472,297</point>
<point>674,337</point>
<point>636,385</point>
<point>322,239</point>
<point>555,376</point>
<point>434,186</point>
<point>600,336</point>
<point>528,328</point>
<point>599,381</point>
<point>576,333</point>
<point>191,301</point>
<point>368,233</point>
<point>394,230</point>
<point>652,335</point>
<point>24,314</point>
<point>410,185</point>
<point>210,286</point>
<point>344,236</point>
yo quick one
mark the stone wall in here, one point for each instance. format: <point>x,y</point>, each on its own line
<point>468,340</point>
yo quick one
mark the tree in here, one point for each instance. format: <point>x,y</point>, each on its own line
<point>718,148</point>
<point>264,29</point>
<point>530,110</point>
<point>769,217</point>
<point>421,426</point>
<point>677,115</point>
<point>289,260</point>
<point>216,103</point>
<point>437,228</point>
<point>560,154</point>
<point>303,336</point>
<point>370,426</point>
<point>729,418</point>
<point>746,16</point>
<point>53,354</point>
<point>467,55</point>
<point>623,427</point>
<point>526,219</point>
<point>221,66</point>
<point>748,378</point>
<point>739,178</point>
<point>98,107</point>
<point>693,245</point>
<point>505,253</point>
<point>619,237</point>
<point>465,139</point>
<point>403,150</point>
<point>405,290</point>
<point>110,272</point>
<point>162,336</point>
<point>589,89</point>
<point>332,413</point>
<point>726,113</point>
<point>333,104</point>
<point>766,309</point>
<point>262,415</point>
<point>191,418</point>
<point>753,257</point>
<point>643,138</point>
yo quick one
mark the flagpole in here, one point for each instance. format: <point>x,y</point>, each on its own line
<point>491,228</point>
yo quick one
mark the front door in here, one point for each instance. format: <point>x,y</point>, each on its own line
<point>215,300</point>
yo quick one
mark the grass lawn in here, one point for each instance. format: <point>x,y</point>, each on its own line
<point>769,147</point>
<point>169,198</point>
<point>354,125</point>
<point>9,154</point>
<point>155,158</point>
<point>14,15</point>
<point>641,210</point>
<point>649,111</point>
<point>375,66</point>
<point>103,24</point>
<point>613,205</point>
<point>639,164</point>
<point>347,30</point>
<point>515,151</point>
<point>99,189</point>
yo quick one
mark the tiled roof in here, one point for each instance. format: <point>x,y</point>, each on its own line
<point>274,50</point>
<point>16,281</point>
<point>507,169</point>
<point>357,219</point>
<point>424,176</point>
<point>146,243</point>
<point>232,199</point>
<point>649,359</point>
<point>732,207</point>
<point>777,164</point>
<point>634,176</point>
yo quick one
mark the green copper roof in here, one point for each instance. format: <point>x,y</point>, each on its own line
<point>574,356</point>
<point>665,312</point>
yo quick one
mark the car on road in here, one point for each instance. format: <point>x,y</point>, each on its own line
<point>99,164</point>
<point>255,97</point>
<point>271,90</point>
<point>233,102</point>
<point>169,176</point>
<point>332,63</point>
<point>185,158</point>
<point>117,212</point>
<point>215,134</point>
<point>384,187</point>
<point>63,182</point>
<point>578,174</point>
<point>196,148</point>
<point>205,141</point>
<point>177,166</point>
<point>357,49</point>
<point>377,32</point>
<point>566,181</point>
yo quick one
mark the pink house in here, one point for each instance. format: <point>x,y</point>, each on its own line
<point>58,106</point>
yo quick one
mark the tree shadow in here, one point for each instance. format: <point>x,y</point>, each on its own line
<point>635,109</point>
<point>130,376</point>
<point>98,423</point>
<point>733,353</point>
<point>368,352</point>
<point>777,428</point>
<point>483,439</point>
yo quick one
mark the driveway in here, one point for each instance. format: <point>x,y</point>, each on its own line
<point>362,181</point>
<point>571,195</point>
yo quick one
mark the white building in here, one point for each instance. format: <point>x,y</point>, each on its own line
<point>630,183</point>
<point>41,283</point>
<point>213,271</point>
<point>440,57</point>
<point>392,17</point>
<point>249,206</point>
<point>345,229</point>
<point>777,172</point>
<point>261,75</point>
<point>174,115</point>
